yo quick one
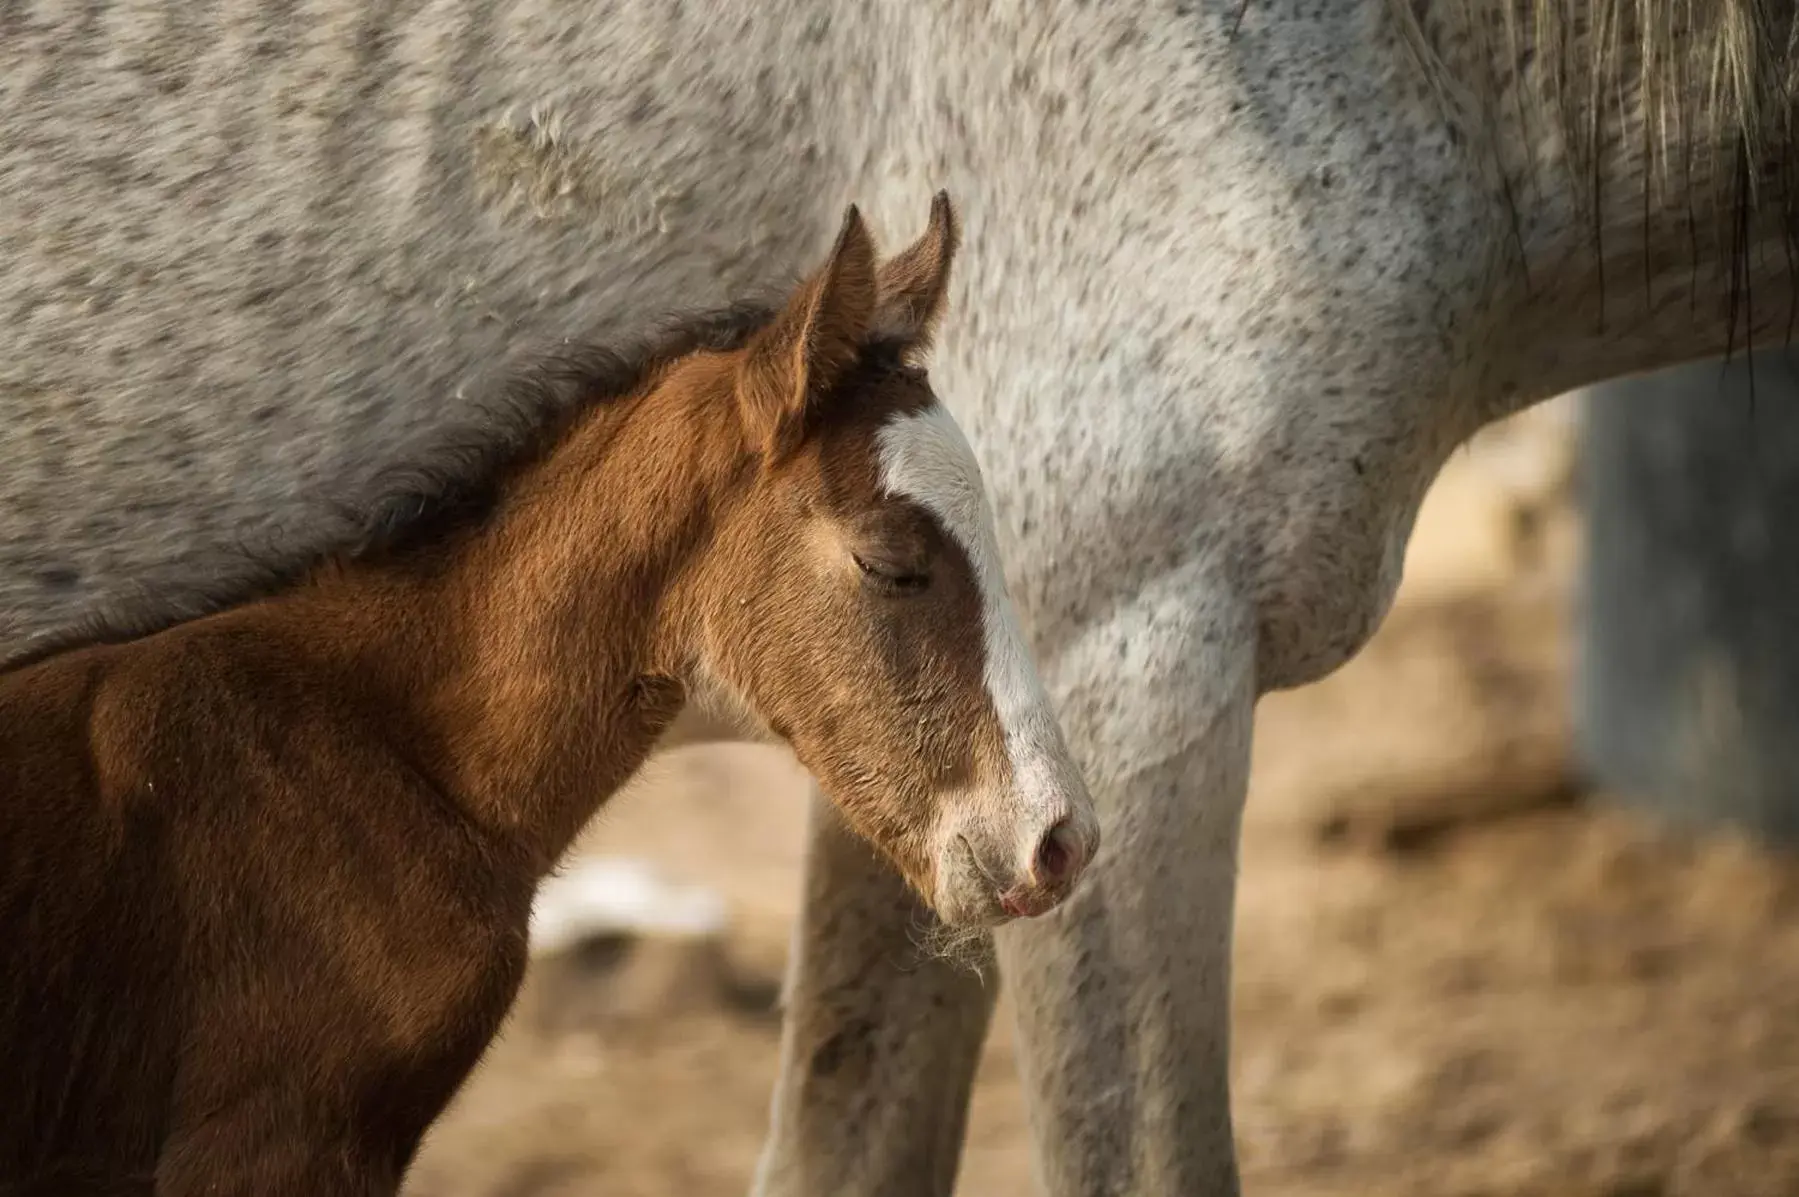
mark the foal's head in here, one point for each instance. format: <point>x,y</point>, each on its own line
<point>852,597</point>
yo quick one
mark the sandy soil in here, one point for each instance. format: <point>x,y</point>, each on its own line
<point>1457,976</point>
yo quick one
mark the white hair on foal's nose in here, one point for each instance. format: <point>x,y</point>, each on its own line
<point>925,458</point>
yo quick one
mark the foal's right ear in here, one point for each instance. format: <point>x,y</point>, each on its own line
<point>807,349</point>
<point>914,285</point>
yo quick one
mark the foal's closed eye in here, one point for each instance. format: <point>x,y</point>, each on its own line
<point>891,579</point>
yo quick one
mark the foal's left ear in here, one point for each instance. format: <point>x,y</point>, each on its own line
<point>913,285</point>
<point>810,345</point>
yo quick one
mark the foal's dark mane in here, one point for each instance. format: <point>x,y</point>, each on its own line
<point>417,508</point>
<point>452,488</point>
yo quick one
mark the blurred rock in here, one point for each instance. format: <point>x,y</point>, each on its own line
<point>613,941</point>
<point>597,896</point>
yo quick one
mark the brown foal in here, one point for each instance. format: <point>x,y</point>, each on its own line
<point>266,875</point>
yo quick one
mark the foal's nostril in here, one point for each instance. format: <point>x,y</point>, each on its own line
<point>1057,857</point>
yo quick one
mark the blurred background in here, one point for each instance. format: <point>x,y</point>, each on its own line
<point>1509,921</point>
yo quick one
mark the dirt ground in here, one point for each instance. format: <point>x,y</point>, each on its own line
<point>1458,975</point>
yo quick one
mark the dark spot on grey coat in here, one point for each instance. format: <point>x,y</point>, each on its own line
<point>851,1040</point>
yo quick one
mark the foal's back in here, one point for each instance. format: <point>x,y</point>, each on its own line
<point>175,949</point>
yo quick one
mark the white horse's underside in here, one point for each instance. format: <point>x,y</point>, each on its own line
<point>1229,297</point>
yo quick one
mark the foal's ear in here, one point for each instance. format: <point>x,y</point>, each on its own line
<point>913,284</point>
<point>805,351</point>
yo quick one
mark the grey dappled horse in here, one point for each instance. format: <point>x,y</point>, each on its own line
<point>1241,273</point>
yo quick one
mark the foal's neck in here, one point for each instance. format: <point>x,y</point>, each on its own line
<point>538,658</point>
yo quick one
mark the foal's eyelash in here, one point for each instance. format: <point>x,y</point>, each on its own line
<point>905,583</point>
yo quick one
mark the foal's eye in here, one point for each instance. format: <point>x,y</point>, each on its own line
<point>889,579</point>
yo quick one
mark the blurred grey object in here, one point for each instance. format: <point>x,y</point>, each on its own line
<point>1688,683</point>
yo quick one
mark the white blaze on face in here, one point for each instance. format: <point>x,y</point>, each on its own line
<point>925,458</point>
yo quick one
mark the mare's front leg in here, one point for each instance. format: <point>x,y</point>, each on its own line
<point>880,1040</point>
<point>1123,995</point>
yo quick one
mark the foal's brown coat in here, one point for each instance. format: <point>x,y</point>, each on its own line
<point>265,877</point>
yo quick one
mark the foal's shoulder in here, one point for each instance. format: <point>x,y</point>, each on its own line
<point>55,692</point>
